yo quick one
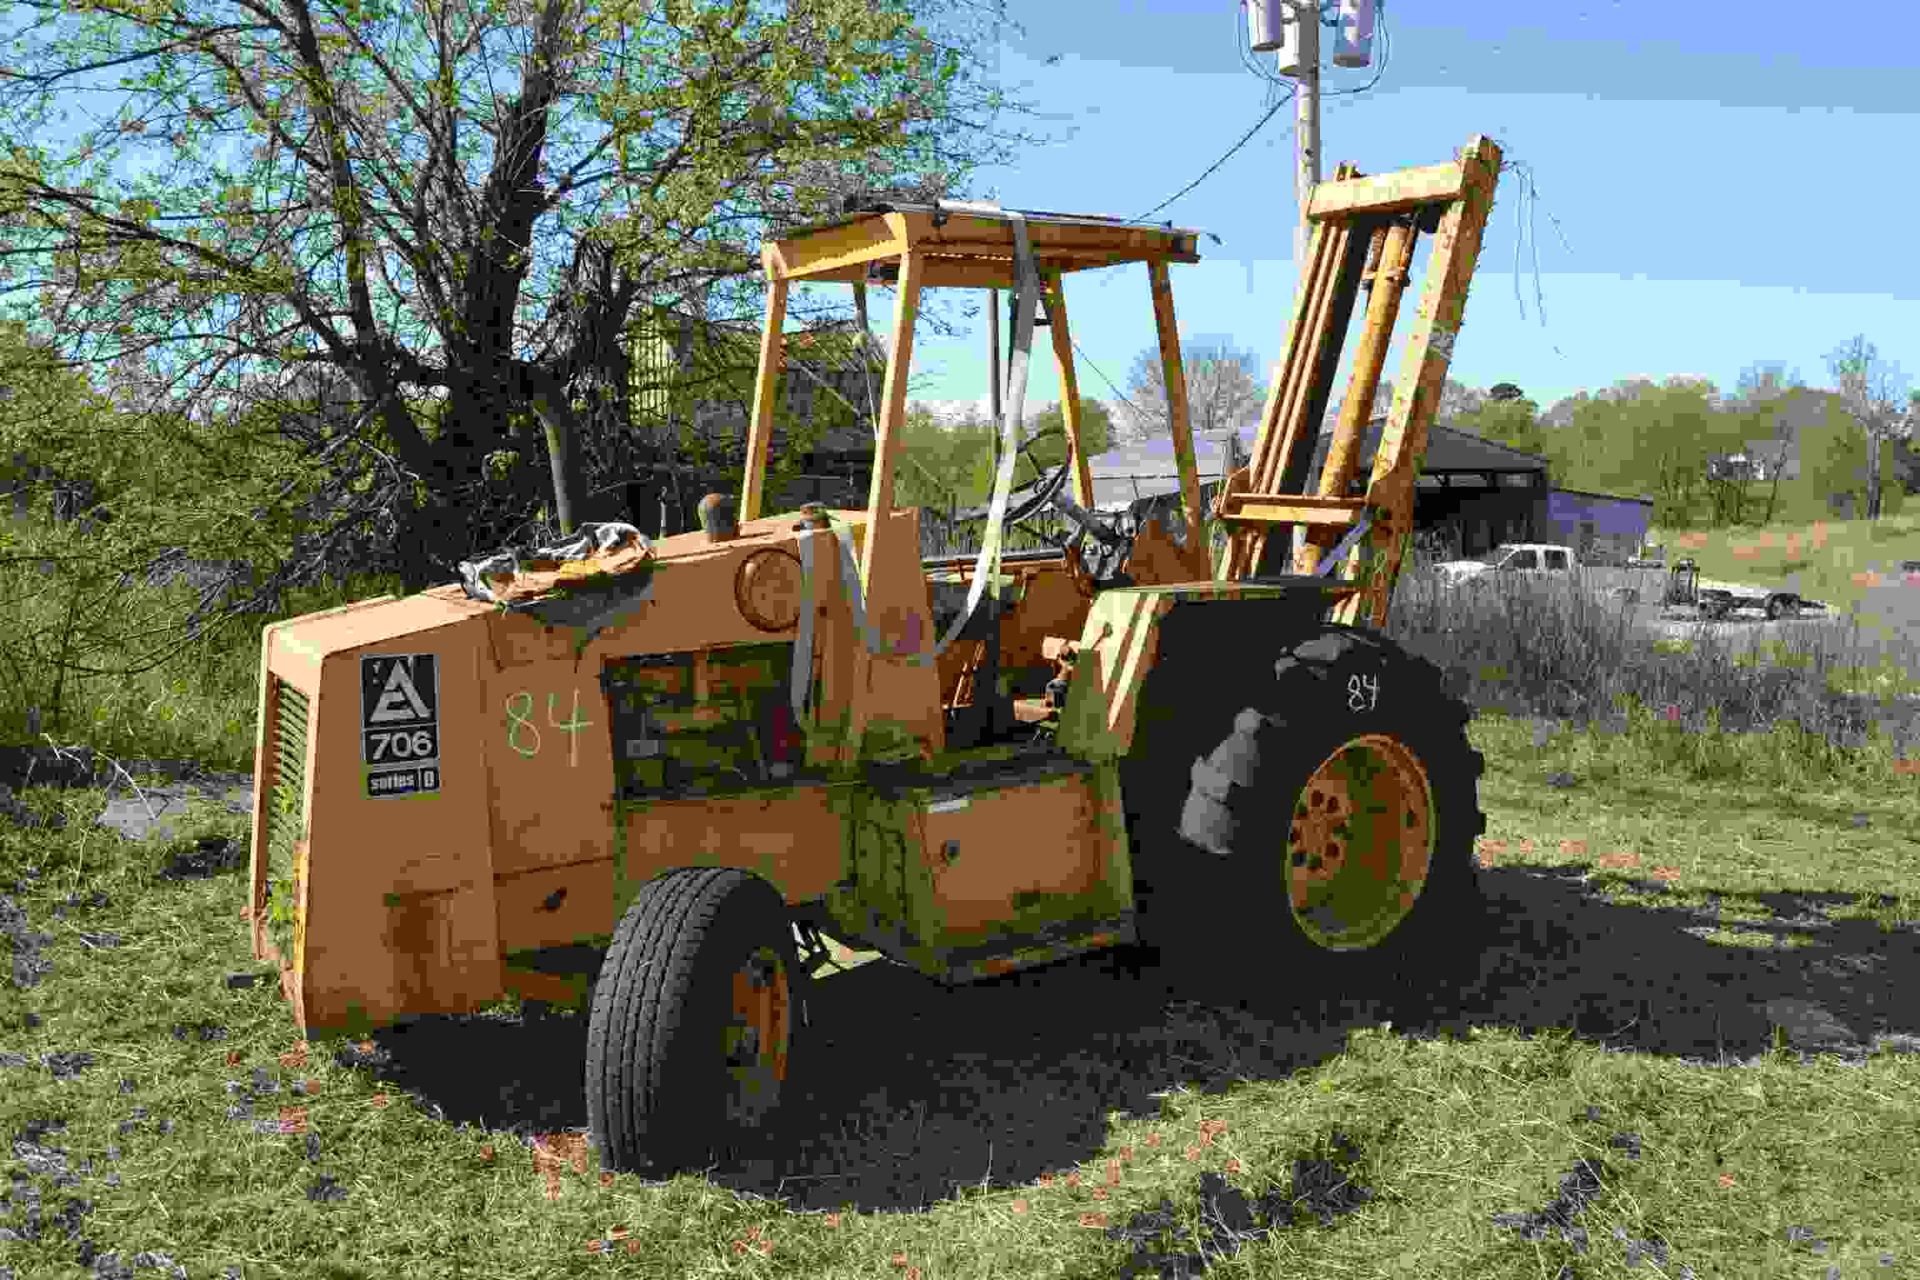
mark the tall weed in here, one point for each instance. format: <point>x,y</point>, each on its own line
<point>71,669</point>
<point>1830,699</point>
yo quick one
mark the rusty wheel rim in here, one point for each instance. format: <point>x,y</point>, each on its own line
<point>1360,843</point>
<point>759,1029</point>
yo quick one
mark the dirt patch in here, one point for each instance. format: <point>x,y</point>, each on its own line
<point>134,809</point>
<point>137,814</point>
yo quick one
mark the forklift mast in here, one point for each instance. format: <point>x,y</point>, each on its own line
<point>1365,231</point>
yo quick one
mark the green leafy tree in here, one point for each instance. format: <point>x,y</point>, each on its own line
<point>1908,455</point>
<point>943,466</point>
<point>104,500</point>
<point>1514,422</point>
<point>954,463</point>
<point>458,207</point>
<point>1639,436</point>
<point>1834,466</point>
<point>1770,400</point>
<point>1096,433</point>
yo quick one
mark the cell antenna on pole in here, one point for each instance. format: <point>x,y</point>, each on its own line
<point>1353,43</point>
<point>1266,24</point>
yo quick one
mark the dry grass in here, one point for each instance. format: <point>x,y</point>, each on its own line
<point>1825,697</point>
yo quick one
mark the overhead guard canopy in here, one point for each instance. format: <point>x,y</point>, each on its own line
<point>965,249</point>
<point>963,244</point>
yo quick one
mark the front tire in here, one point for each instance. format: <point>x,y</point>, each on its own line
<point>692,1021</point>
<point>1329,835</point>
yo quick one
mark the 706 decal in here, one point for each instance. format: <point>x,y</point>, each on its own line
<point>1363,692</point>
<point>421,744</point>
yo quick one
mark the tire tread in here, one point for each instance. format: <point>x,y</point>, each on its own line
<point>640,1002</point>
<point>1226,804</point>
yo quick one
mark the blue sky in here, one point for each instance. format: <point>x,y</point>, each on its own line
<point>1718,172</point>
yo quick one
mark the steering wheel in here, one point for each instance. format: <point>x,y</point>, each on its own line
<point>1095,551</point>
<point>1043,493</point>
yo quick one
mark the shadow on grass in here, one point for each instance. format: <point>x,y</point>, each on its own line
<point>906,1091</point>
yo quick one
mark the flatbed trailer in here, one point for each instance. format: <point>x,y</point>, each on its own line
<point>1714,599</point>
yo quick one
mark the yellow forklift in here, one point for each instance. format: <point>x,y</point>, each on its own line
<point>656,776</point>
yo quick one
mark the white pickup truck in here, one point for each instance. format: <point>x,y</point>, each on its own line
<point>1528,558</point>
<point>1684,587</point>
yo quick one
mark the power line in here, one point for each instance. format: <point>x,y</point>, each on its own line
<point>1212,168</point>
<point>1139,414</point>
<point>1247,60</point>
<point>1525,206</point>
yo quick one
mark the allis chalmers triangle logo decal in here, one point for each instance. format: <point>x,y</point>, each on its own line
<point>399,700</point>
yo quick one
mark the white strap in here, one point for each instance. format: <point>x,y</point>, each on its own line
<point>802,674</point>
<point>986,566</point>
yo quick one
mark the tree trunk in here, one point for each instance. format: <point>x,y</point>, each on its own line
<point>426,544</point>
<point>1873,474</point>
<point>1773,493</point>
<point>562,433</point>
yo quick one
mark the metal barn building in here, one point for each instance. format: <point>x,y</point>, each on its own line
<point>1597,525</point>
<point>1471,493</point>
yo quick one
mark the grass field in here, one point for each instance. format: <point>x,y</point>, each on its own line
<point>1853,565</point>
<point>1690,1049</point>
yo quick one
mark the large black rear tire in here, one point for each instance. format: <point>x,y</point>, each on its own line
<point>692,1021</point>
<point>1325,844</point>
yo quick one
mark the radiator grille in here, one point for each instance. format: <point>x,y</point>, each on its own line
<point>286,782</point>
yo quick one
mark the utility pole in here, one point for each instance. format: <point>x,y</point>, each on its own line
<point>1290,29</point>
<point>1304,21</point>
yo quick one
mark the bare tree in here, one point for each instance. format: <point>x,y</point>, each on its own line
<point>1382,403</point>
<point>1765,381</point>
<point>1872,389</point>
<point>1223,390</point>
<point>1766,394</point>
<point>1457,398</point>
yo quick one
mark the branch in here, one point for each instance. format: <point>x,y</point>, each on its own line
<point>85,204</point>
<point>346,202</point>
<point>263,110</point>
<point>48,80</point>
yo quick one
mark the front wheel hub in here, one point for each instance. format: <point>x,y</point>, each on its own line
<point>1360,843</point>
<point>758,1033</point>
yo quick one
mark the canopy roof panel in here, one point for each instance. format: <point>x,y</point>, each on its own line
<point>971,248</point>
